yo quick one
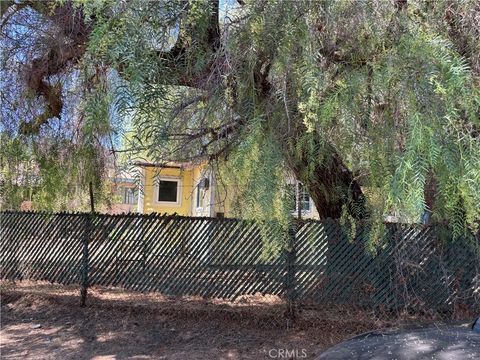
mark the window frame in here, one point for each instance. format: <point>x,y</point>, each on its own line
<point>200,194</point>
<point>297,185</point>
<point>301,196</point>
<point>129,193</point>
<point>179,191</point>
<point>121,196</point>
<point>199,199</point>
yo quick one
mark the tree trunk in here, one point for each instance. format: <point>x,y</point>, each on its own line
<point>429,193</point>
<point>331,186</point>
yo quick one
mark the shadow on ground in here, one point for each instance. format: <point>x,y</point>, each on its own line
<point>43,321</point>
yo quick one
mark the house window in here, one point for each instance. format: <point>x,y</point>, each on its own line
<point>297,193</point>
<point>126,195</point>
<point>304,197</point>
<point>202,186</point>
<point>169,191</point>
<point>200,197</point>
<point>129,196</point>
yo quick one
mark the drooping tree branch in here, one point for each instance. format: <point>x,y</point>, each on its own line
<point>65,47</point>
<point>70,35</point>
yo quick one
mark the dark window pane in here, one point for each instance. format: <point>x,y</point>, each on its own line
<point>167,191</point>
<point>200,196</point>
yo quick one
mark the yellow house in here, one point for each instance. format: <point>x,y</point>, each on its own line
<point>191,190</point>
<point>182,188</point>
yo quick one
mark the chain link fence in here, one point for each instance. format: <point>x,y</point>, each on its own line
<point>415,269</point>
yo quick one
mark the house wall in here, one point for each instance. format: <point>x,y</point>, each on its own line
<point>150,195</point>
<point>216,199</point>
<point>224,204</point>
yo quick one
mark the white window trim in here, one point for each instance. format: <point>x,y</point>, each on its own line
<point>141,192</point>
<point>297,197</point>
<point>179,191</point>
<point>197,193</point>
<point>304,211</point>
<point>198,209</point>
<point>201,209</point>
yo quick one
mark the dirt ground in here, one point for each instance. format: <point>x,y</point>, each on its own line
<point>43,321</point>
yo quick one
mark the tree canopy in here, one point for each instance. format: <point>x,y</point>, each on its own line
<point>374,106</point>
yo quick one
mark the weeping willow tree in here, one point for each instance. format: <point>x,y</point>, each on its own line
<point>373,105</point>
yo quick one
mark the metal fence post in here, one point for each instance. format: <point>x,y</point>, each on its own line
<point>86,236</point>
<point>290,273</point>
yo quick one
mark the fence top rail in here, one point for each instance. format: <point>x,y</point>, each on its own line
<point>213,219</point>
<point>119,215</point>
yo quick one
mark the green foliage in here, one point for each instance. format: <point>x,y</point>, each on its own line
<point>52,176</point>
<point>393,92</point>
<point>389,90</point>
<point>255,178</point>
<point>13,156</point>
